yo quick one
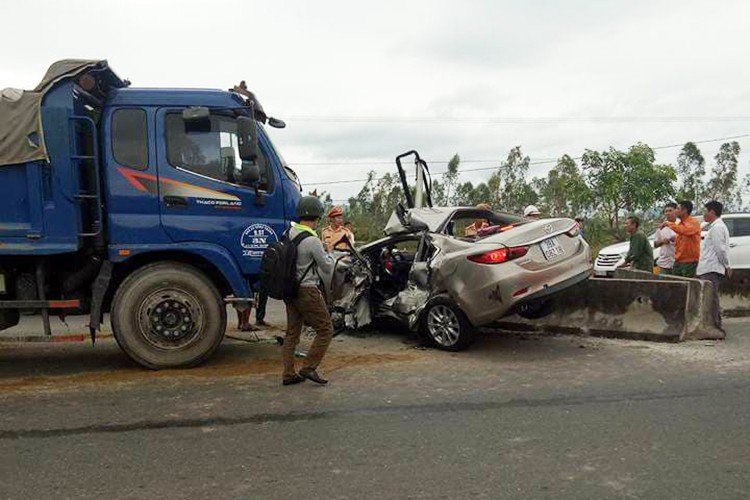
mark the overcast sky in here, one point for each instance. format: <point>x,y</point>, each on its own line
<point>360,82</point>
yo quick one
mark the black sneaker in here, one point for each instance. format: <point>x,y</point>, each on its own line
<point>311,374</point>
<point>296,379</point>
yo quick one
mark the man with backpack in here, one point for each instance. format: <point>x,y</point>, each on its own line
<point>291,270</point>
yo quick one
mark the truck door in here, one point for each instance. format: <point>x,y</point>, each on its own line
<point>202,198</point>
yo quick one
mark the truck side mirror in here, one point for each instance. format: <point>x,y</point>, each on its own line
<point>250,174</point>
<point>276,122</point>
<point>247,138</point>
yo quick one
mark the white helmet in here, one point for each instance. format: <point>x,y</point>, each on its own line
<point>531,210</point>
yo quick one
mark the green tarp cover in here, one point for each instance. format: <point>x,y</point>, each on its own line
<point>21,134</point>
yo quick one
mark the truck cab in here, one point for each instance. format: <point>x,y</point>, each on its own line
<point>153,204</point>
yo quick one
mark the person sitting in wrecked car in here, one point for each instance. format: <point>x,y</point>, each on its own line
<point>473,228</point>
<point>335,235</point>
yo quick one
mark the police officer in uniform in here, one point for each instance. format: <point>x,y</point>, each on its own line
<point>335,234</point>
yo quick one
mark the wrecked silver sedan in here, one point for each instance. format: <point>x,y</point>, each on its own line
<point>428,275</point>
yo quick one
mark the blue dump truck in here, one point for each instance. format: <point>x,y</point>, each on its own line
<point>154,205</point>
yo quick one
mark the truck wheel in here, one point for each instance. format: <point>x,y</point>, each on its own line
<point>168,315</point>
<point>445,325</point>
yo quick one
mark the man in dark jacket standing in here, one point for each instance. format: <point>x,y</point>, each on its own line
<point>309,306</point>
<point>641,253</point>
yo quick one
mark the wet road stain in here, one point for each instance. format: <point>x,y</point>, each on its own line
<point>224,368</point>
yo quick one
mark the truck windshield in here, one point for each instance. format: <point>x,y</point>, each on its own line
<point>289,172</point>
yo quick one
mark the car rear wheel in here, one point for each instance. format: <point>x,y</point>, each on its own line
<point>446,326</point>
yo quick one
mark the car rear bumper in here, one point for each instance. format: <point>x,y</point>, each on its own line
<point>555,289</point>
<point>486,300</point>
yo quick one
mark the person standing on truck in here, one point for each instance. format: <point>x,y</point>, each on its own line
<point>714,260</point>
<point>664,241</point>
<point>687,246</point>
<point>640,255</point>
<point>335,234</point>
<point>309,305</point>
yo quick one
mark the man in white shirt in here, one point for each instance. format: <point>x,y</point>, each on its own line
<point>714,260</point>
<point>664,241</point>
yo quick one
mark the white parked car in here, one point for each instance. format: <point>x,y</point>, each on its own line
<point>739,247</point>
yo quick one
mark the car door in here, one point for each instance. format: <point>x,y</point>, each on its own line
<point>739,242</point>
<point>202,197</point>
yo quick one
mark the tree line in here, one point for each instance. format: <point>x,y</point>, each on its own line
<point>600,186</point>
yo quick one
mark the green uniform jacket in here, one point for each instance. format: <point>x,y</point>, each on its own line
<point>641,253</point>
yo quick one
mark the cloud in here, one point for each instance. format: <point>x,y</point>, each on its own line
<point>423,59</point>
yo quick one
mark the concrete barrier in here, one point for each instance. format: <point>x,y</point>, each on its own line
<point>639,306</point>
<point>734,292</point>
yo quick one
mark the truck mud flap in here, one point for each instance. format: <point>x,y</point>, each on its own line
<point>98,291</point>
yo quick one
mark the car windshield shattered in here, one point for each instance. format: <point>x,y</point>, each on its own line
<point>446,270</point>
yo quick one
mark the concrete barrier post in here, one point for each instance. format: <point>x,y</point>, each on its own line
<point>631,305</point>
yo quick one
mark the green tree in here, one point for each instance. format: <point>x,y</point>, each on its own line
<point>723,184</point>
<point>450,180</point>
<point>508,186</point>
<point>370,209</point>
<point>691,170</point>
<point>627,181</point>
<point>564,192</point>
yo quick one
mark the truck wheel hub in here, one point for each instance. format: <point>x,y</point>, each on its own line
<point>170,318</point>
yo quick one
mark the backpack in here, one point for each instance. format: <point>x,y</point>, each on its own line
<point>278,267</point>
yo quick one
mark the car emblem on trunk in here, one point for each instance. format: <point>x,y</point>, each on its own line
<point>548,228</point>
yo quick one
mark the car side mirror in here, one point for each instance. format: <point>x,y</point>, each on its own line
<point>250,173</point>
<point>247,138</point>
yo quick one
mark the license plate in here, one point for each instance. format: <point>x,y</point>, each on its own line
<point>551,248</point>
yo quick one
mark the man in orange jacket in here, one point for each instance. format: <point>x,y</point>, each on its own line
<point>687,246</point>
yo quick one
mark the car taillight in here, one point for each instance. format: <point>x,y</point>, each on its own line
<point>499,255</point>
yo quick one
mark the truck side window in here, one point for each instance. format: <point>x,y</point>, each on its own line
<point>209,148</point>
<point>130,138</point>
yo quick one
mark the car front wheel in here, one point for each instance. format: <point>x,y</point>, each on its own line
<point>446,326</point>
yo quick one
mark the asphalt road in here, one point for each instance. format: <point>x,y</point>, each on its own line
<point>518,416</point>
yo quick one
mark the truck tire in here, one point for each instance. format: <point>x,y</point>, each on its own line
<point>168,315</point>
<point>445,325</point>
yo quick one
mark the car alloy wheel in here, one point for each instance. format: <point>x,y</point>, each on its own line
<point>443,325</point>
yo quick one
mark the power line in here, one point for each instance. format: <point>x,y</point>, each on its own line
<point>384,162</point>
<point>496,167</point>
<point>517,119</point>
